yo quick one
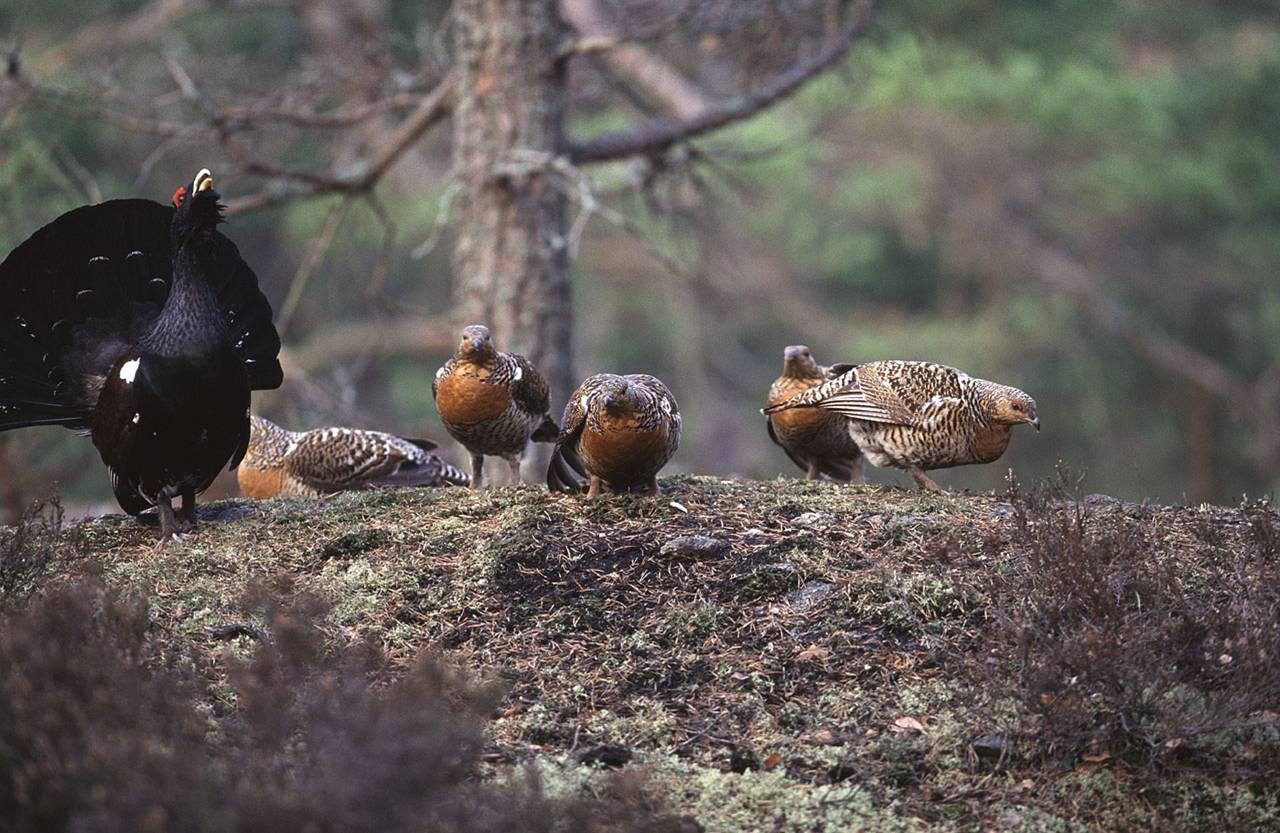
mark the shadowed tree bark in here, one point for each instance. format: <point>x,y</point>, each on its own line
<point>511,254</point>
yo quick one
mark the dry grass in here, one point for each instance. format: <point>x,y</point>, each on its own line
<point>863,657</point>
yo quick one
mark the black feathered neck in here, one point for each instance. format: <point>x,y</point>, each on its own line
<point>191,323</point>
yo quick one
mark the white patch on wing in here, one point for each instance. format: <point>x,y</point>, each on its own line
<point>135,419</point>
<point>666,405</point>
<point>440,374</point>
<point>519,373</point>
<point>582,403</point>
<point>128,370</point>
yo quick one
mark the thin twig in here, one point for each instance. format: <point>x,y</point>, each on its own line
<point>308,267</point>
<point>662,134</point>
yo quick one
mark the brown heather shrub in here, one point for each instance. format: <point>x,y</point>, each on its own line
<point>27,548</point>
<point>1131,649</point>
<point>104,729</point>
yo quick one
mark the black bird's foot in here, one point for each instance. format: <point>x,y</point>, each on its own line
<point>173,538</point>
<point>173,524</point>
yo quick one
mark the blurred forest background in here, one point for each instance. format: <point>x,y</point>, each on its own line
<point>1077,197</point>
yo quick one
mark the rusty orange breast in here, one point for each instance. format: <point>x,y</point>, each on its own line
<point>467,399</point>
<point>259,484</point>
<point>622,453</point>
<point>990,443</point>
<point>799,420</point>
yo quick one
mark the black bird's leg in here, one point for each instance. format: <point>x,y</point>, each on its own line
<point>168,525</point>
<point>187,515</point>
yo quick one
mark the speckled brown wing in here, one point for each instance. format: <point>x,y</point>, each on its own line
<point>530,391</point>
<point>565,472</point>
<point>338,459</point>
<point>890,392</point>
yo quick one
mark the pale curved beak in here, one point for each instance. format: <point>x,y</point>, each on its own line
<point>202,182</point>
<point>1036,423</point>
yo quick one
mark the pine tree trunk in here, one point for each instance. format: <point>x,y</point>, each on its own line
<point>510,256</point>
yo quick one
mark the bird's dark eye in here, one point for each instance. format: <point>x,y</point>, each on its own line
<point>1017,407</point>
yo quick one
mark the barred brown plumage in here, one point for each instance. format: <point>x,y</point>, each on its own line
<point>618,431</point>
<point>493,403</point>
<point>920,415</point>
<point>328,460</point>
<point>816,440</point>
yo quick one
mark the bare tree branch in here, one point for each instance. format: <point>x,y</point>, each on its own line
<point>431,109</point>
<point>315,256</point>
<point>660,135</point>
<point>410,336</point>
<point>1059,271</point>
<point>661,81</point>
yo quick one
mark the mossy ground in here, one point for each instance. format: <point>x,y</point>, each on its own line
<point>818,674</point>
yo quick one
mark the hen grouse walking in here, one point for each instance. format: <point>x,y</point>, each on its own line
<point>328,460</point>
<point>618,431</point>
<point>919,415</point>
<point>816,440</point>
<point>493,403</point>
<point>142,324</point>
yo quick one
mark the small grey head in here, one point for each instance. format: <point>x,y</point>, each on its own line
<point>475,341</point>
<point>797,360</point>
<point>620,396</point>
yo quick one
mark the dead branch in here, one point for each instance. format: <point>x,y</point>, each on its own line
<point>661,81</point>
<point>292,184</point>
<point>1062,273</point>
<point>662,134</point>
<point>308,267</point>
<point>406,336</point>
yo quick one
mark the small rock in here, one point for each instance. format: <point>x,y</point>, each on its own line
<point>992,747</point>
<point>1107,503</point>
<point>825,737</point>
<point>816,520</point>
<point>694,546</point>
<point>743,759</point>
<point>809,594</point>
<point>1003,511</point>
<point>898,522</point>
<point>610,755</point>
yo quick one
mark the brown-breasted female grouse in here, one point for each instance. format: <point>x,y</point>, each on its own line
<point>618,431</point>
<point>816,440</point>
<point>493,403</point>
<point>328,460</point>
<point>919,415</point>
<point>142,324</point>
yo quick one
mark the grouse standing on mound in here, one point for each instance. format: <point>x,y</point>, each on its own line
<point>816,440</point>
<point>142,324</point>
<point>919,415</point>
<point>618,431</point>
<point>493,403</point>
<point>328,460</point>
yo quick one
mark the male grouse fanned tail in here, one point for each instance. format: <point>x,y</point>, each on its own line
<point>141,323</point>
